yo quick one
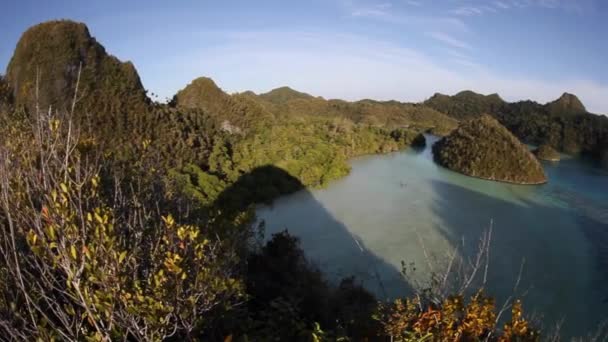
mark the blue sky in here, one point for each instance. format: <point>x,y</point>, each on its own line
<point>352,49</point>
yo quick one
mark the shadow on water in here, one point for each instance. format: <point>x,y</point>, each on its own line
<point>565,267</point>
<point>292,287</point>
<point>328,243</point>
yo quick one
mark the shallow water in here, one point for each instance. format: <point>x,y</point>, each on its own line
<point>402,207</point>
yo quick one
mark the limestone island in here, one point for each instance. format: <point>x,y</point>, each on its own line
<point>547,153</point>
<point>483,148</point>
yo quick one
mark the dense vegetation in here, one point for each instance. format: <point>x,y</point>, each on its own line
<point>122,219</point>
<point>564,124</point>
<point>546,152</point>
<point>287,102</point>
<point>51,58</point>
<point>485,149</point>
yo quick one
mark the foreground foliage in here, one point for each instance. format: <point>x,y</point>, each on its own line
<point>86,266</point>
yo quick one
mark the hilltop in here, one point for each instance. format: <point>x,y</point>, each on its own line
<point>483,148</point>
<point>45,66</point>
<point>466,104</point>
<point>284,94</point>
<point>567,104</point>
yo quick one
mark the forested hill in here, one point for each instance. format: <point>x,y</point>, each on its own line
<point>52,57</point>
<point>564,123</point>
<point>286,101</point>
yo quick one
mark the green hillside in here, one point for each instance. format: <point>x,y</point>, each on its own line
<point>483,148</point>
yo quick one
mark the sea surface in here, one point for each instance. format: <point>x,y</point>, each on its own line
<point>549,243</point>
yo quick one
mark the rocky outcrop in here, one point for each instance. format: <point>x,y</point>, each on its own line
<point>52,57</point>
<point>483,148</point>
<point>546,152</point>
<point>567,104</point>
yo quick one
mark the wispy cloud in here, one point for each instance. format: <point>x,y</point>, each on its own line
<point>378,10</point>
<point>478,7</point>
<point>391,13</point>
<point>449,40</point>
<point>503,5</point>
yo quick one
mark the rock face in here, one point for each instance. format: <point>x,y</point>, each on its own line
<point>567,104</point>
<point>485,149</point>
<point>546,152</point>
<point>48,58</point>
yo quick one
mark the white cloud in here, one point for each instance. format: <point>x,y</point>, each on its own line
<point>351,67</point>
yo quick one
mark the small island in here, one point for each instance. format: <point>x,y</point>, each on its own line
<point>483,148</point>
<point>547,153</point>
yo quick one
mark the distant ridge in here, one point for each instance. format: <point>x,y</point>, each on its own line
<point>283,94</point>
<point>465,104</point>
<point>564,123</point>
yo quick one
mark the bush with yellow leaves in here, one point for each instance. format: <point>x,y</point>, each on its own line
<point>80,266</point>
<point>453,320</point>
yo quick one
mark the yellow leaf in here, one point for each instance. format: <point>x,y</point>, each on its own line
<point>89,217</point>
<point>64,188</point>
<point>73,252</point>
<point>122,257</point>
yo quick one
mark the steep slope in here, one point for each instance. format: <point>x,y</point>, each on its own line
<point>45,66</point>
<point>485,149</point>
<point>567,104</point>
<point>237,113</point>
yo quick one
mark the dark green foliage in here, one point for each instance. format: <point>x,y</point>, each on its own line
<point>285,102</point>
<point>484,148</point>
<point>466,104</point>
<point>289,296</point>
<point>563,124</point>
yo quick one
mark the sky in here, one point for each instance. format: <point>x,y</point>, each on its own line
<point>405,50</point>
